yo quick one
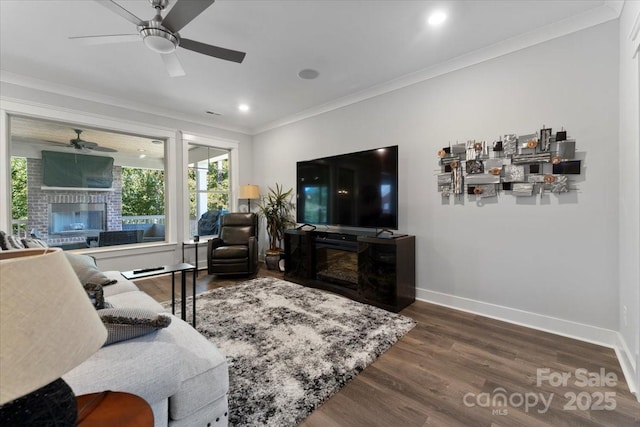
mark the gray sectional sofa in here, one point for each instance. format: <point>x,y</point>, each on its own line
<point>183,376</point>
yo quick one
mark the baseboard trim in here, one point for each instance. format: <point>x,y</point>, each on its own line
<point>628,364</point>
<point>588,333</point>
<point>554,325</point>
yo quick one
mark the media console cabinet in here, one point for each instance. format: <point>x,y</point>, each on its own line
<point>373,270</point>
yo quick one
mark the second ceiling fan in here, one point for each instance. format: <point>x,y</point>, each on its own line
<point>80,144</point>
<point>161,34</point>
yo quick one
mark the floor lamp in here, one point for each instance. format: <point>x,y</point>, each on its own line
<point>48,326</point>
<point>249,191</point>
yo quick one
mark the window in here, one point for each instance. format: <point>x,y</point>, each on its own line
<point>143,202</point>
<point>119,198</point>
<point>209,183</point>
<point>19,196</point>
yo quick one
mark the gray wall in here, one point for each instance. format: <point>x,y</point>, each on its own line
<point>548,259</point>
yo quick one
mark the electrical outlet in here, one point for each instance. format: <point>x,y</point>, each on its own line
<point>624,315</point>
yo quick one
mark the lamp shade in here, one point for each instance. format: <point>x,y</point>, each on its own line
<point>249,191</point>
<point>47,324</point>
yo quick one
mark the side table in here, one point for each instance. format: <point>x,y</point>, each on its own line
<point>195,245</point>
<point>113,409</point>
<point>173,269</point>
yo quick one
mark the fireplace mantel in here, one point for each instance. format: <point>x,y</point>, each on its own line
<point>47,188</point>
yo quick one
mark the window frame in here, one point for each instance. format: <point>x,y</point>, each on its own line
<point>201,177</point>
<point>14,108</point>
<point>225,144</point>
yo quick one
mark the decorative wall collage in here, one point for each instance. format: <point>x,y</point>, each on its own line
<point>524,165</point>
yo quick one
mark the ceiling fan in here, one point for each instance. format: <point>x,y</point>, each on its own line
<point>161,34</point>
<point>78,143</point>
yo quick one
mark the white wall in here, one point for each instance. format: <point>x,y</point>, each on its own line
<point>629,232</point>
<point>550,263</point>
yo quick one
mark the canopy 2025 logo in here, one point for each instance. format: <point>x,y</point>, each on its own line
<point>499,401</point>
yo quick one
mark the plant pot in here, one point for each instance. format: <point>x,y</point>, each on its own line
<point>272,259</point>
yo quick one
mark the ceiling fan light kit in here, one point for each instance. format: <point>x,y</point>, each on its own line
<point>159,40</point>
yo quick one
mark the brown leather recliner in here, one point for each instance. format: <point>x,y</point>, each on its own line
<point>235,251</point>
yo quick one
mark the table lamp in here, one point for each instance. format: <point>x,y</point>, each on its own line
<point>47,327</point>
<point>249,191</point>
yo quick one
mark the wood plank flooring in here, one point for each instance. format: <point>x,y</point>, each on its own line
<point>453,367</point>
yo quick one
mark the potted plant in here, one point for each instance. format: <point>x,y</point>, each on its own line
<point>277,209</point>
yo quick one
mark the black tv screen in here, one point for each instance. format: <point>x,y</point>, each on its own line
<point>61,169</point>
<point>356,189</point>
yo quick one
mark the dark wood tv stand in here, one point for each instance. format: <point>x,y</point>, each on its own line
<point>374,270</point>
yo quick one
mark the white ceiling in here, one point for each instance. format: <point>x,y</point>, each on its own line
<point>358,47</point>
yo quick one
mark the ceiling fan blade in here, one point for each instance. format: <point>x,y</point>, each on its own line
<point>215,51</point>
<point>116,8</point>
<point>184,12</point>
<point>173,65</point>
<point>113,38</point>
<point>104,149</point>
<point>60,144</point>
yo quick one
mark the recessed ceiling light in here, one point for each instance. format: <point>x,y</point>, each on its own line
<point>213,113</point>
<point>308,74</point>
<point>142,150</point>
<point>243,107</point>
<point>437,18</point>
<point>142,156</point>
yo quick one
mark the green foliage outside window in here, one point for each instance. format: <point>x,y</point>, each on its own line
<point>142,189</point>
<point>142,192</point>
<point>18,188</point>
<point>217,187</point>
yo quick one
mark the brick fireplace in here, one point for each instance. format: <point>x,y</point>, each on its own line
<point>70,216</point>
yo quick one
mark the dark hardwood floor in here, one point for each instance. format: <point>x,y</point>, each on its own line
<point>453,368</point>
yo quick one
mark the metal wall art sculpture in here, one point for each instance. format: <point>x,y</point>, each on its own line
<point>524,165</point>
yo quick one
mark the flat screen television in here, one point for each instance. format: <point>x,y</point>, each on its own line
<point>356,189</point>
<point>61,169</point>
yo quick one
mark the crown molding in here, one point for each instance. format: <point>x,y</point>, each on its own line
<point>633,35</point>
<point>608,11</point>
<point>69,91</point>
<point>635,30</point>
<point>615,5</point>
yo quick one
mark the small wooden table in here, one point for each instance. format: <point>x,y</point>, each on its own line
<point>173,269</point>
<point>113,409</point>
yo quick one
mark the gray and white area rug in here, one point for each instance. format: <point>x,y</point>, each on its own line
<point>291,347</point>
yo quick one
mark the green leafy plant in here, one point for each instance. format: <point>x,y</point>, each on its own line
<point>19,188</point>
<point>142,192</point>
<point>277,209</point>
